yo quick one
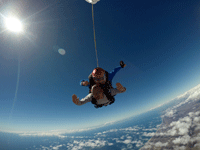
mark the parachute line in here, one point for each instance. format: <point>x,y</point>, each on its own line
<point>94,36</point>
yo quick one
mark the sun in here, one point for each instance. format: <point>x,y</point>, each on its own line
<point>13,24</point>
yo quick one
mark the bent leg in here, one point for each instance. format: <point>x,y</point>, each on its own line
<point>114,91</point>
<point>120,87</point>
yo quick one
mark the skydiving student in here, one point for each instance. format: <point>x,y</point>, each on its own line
<point>100,97</point>
<point>104,80</point>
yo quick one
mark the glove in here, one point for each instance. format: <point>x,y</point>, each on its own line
<point>122,64</point>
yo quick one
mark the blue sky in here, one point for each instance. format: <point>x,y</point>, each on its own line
<point>158,41</point>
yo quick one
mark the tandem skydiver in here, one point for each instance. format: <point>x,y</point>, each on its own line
<point>101,92</point>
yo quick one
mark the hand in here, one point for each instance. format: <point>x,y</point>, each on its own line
<point>85,83</point>
<point>75,99</point>
<point>122,64</point>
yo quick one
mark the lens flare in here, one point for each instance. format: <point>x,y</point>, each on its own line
<point>61,51</point>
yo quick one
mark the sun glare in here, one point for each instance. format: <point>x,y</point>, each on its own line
<point>13,24</point>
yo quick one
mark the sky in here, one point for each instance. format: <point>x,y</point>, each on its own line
<point>157,40</point>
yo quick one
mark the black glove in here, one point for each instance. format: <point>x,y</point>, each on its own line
<point>122,64</point>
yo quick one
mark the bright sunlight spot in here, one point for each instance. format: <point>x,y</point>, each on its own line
<point>13,24</point>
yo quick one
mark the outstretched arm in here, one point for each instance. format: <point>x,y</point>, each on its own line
<point>85,100</point>
<point>113,72</point>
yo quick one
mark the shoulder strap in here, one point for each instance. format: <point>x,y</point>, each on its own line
<point>91,82</point>
<point>106,74</point>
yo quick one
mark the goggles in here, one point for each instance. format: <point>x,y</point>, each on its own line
<point>99,79</point>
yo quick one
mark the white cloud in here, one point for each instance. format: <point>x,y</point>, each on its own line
<point>182,125</point>
<point>99,133</point>
<point>194,95</point>
<point>70,145</point>
<point>98,143</point>
<point>159,144</point>
<point>182,140</point>
<point>186,119</point>
<point>156,107</point>
<point>172,132</point>
<point>183,131</point>
<point>197,145</point>
<point>152,129</point>
<point>128,129</point>
<point>135,128</point>
<point>129,146</point>
<point>127,141</point>
<point>76,142</point>
<point>183,96</point>
<point>104,132</point>
<point>170,113</point>
<point>109,123</point>
<point>139,143</point>
<point>45,148</point>
<point>191,114</point>
<point>110,144</point>
<point>148,145</point>
<point>58,134</point>
<point>197,113</point>
<point>113,130</point>
<point>57,147</point>
<point>149,134</point>
<point>197,119</point>
<point>179,147</point>
<point>128,137</point>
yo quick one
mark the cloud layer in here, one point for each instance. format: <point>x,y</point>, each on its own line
<point>181,124</point>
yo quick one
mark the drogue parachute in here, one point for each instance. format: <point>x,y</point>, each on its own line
<point>92,1</point>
